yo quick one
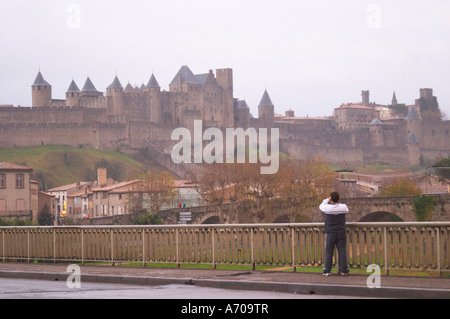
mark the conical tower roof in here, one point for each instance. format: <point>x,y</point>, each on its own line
<point>412,114</point>
<point>152,83</point>
<point>186,76</point>
<point>413,139</point>
<point>129,88</point>
<point>73,88</point>
<point>89,86</point>
<point>116,84</point>
<point>376,122</point>
<point>266,101</point>
<point>40,80</point>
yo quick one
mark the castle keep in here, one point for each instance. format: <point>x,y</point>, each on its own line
<point>136,118</point>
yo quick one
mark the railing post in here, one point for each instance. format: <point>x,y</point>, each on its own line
<point>3,243</point>
<point>54,245</point>
<point>213,248</point>
<point>386,265</point>
<point>111,231</point>
<point>177,247</point>
<point>252,249</point>
<point>438,244</point>
<point>28,245</point>
<point>294,268</point>
<point>143,248</point>
<point>82,246</point>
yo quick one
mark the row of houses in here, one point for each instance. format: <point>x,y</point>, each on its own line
<point>20,196</point>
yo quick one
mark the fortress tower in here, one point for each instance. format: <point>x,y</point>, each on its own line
<point>114,92</point>
<point>41,92</point>
<point>154,104</point>
<point>224,78</point>
<point>73,95</point>
<point>413,150</point>
<point>414,125</point>
<point>365,98</point>
<point>376,133</point>
<point>266,111</point>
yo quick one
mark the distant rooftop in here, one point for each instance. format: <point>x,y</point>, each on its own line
<point>15,167</point>
<point>186,76</point>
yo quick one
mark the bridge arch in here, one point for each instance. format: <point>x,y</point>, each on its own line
<point>212,220</point>
<point>381,216</point>
<point>283,219</point>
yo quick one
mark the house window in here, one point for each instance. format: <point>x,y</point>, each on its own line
<point>2,205</point>
<point>20,205</point>
<point>2,181</point>
<point>20,181</point>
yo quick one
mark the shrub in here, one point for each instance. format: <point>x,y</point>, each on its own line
<point>423,207</point>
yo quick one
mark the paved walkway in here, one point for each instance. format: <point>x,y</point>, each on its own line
<point>301,283</point>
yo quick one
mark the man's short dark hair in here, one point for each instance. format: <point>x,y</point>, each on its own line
<point>334,197</point>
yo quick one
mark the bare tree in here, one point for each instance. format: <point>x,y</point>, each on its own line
<point>303,184</point>
<point>151,193</point>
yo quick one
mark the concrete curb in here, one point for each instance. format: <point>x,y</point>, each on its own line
<point>298,288</point>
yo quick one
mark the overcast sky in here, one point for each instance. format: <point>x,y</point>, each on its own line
<point>310,55</point>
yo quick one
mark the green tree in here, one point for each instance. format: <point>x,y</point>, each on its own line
<point>445,170</point>
<point>148,219</point>
<point>45,218</point>
<point>403,187</point>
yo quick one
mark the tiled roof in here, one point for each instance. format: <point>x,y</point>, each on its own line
<point>115,186</point>
<point>66,187</point>
<point>355,106</point>
<point>15,167</point>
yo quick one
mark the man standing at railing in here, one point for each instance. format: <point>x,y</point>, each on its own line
<point>335,229</point>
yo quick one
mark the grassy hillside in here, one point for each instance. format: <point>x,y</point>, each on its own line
<point>54,166</point>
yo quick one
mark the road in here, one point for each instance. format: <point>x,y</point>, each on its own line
<point>38,289</point>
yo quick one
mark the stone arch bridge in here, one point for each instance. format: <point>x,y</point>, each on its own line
<point>361,209</point>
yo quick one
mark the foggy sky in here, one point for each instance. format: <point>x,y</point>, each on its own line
<point>311,56</point>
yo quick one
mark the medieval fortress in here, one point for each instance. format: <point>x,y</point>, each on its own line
<point>137,118</point>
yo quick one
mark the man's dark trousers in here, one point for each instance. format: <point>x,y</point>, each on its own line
<point>339,240</point>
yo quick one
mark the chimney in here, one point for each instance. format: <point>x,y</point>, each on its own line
<point>101,177</point>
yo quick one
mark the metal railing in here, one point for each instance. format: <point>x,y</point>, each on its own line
<point>410,246</point>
